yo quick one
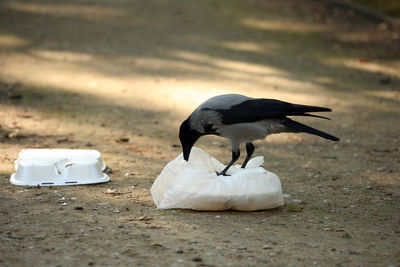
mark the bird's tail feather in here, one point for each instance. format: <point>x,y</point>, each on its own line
<point>299,127</point>
<point>303,109</point>
<point>311,115</point>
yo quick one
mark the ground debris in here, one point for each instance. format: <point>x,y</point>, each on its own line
<point>63,140</point>
<point>114,192</point>
<point>15,96</point>
<point>122,140</point>
<point>13,134</point>
<point>197,259</point>
<point>144,218</point>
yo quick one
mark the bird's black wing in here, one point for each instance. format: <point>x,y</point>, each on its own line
<point>258,109</point>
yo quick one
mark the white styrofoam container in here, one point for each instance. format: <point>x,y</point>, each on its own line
<point>58,167</point>
<point>56,153</point>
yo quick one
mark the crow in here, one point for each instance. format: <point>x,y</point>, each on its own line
<point>243,119</point>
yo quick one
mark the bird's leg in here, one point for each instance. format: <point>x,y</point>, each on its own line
<point>250,150</point>
<point>235,156</point>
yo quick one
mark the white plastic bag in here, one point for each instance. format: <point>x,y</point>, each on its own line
<point>195,185</point>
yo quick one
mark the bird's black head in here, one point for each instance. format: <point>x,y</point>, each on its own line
<point>188,137</point>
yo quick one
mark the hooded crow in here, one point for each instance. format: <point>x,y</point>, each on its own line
<point>243,119</point>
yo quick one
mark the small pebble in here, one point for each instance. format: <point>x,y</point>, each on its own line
<point>287,195</point>
<point>124,139</point>
<point>64,204</point>
<point>110,191</point>
<point>297,201</point>
<point>144,218</point>
<point>197,259</point>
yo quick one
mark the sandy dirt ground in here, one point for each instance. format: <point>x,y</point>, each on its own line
<point>84,74</point>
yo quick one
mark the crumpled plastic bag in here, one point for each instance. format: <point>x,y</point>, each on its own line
<point>195,185</point>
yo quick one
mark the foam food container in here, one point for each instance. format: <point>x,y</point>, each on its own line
<point>58,167</point>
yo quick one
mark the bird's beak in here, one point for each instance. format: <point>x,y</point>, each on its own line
<point>188,137</point>
<point>186,148</point>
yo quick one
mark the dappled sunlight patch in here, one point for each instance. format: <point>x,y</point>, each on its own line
<point>191,79</point>
<point>286,26</point>
<point>87,12</point>
<point>228,65</point>
<point>260,47</point>
<point>65,56</point>
<point>326,80</point>
<point>192,97</point>
<point>388,95</point>
<point>12,41</point>
<point>143,92</point>
<point>366,65</point>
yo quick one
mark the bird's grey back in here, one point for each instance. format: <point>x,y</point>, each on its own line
<point>206,113</point>
<point>223,101</point>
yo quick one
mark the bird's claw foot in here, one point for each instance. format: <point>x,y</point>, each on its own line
<point>223,174</point>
